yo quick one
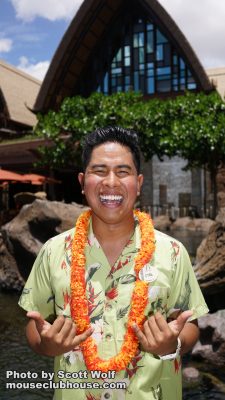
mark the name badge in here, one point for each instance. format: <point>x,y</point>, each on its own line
<point>148,273</point>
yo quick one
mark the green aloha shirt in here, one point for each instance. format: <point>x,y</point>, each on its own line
<point>109,291</point>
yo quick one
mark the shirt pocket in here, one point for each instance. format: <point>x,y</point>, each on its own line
<point>157,300</point>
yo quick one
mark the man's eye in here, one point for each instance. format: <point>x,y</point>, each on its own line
<point>122,172</point>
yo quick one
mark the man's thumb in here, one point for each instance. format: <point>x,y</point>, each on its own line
<point>38,319</point>
<point>182,318</point>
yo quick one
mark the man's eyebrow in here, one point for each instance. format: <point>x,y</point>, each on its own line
<point>105,166</point>
<point>124,166</point>
<point>98,166</point>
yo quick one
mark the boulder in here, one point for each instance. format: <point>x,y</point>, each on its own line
<point>192,224</point>
<point>162,223</point>
<point>191,376</point>
<point>211,346</point>
<point>210,262</point>
<point>10,278</point>
<point>34,225</point>
<point>220,179</point>
<point>221,199</point>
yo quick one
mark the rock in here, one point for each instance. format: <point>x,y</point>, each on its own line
<point>192,224</point>
<point>210,262</point>
<point>10,278</point>
<point>221,199</point>
<point>191,376</point>
<point>211,346</point>
<point>162,223</point>
<point>220,179</point>
<point>23,198</point>
<point>34,225</point>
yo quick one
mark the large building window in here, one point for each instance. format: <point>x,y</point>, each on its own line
<point>146,62</point>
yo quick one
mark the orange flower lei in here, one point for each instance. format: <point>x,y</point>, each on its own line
<point>79,302</point>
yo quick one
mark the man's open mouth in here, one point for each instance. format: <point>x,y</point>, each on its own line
<point>111,199</point>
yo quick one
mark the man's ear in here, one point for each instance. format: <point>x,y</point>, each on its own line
<point>81,180</point>
<point>140,182</point>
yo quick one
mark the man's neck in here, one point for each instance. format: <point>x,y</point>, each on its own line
<point>113,237</point>
<point>105,232</point>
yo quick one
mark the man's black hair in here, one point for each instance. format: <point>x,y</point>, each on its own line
<point>116,134</point>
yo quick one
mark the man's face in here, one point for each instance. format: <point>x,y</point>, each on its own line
<point>111,183</point>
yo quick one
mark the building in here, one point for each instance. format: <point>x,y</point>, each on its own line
<point>119,45</point>
<point>217,77</point>
<point>18,92</point>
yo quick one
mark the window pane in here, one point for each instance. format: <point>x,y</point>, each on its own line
<point>136,58</point>
<point>150,72</point>
<point>141,55</point>
<point>167,54</point>
<point>106,82</point>
<point>182,64</point>
<point>150,86</point>
<point>150,27</point>
<point>141,39</point>
<point>159,52</point>
<point>135,41</point>
<point>119,55</point>
<point>127,51</point>
<point>127,61</point>
<point>163,71</point>
<point>164,86</point>
<point>136,81</point>
<point>116,70</point>
<point>150,46</point>
<point>192,86</point>
<point>160,38</point>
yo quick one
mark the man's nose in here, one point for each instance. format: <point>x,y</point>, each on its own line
<point>111,179</point>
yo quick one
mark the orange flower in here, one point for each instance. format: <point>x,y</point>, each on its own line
<point>79,302</point>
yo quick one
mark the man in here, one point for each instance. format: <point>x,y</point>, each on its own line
<point>124,298</point>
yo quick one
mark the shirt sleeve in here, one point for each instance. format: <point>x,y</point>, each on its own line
<point>37,294</point>
<point>185,291</point>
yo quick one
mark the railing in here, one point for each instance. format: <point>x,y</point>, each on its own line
<point>178,212</point>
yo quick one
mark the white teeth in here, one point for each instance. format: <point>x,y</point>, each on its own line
<point>111,197</point>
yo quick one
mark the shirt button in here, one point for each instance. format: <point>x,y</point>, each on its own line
<point>107,395</point>
<point>108,337</point>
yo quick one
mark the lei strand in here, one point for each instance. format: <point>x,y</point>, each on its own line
<point>79,302</point>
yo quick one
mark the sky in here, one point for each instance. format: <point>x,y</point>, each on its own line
<point>31,30</point>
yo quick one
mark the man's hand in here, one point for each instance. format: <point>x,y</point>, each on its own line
<point>159,337</point>
<point>55,339</point>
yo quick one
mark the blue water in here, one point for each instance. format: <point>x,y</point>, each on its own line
<point>15,355</point>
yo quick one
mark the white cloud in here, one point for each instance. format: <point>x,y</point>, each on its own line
<point>28,10</point>
<point>5,45</point>
<point>202,22</point>
<point>37,70</point>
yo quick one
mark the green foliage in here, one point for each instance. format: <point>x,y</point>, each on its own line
<point>192,126</point>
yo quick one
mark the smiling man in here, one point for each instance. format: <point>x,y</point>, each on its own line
<point>123,297</point>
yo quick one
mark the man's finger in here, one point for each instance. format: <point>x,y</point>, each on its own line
<point>38,319</point>
<point>82,337</point>
<point>66,328</point>
<point>178,324</point>
<point>58,324</point>
<point>140,335</point>
<point>183,317</point>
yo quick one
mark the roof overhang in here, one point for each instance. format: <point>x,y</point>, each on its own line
<point>84,33</point>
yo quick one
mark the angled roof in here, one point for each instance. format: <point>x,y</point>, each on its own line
<point>18,92</point>
<point>86,30</point>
